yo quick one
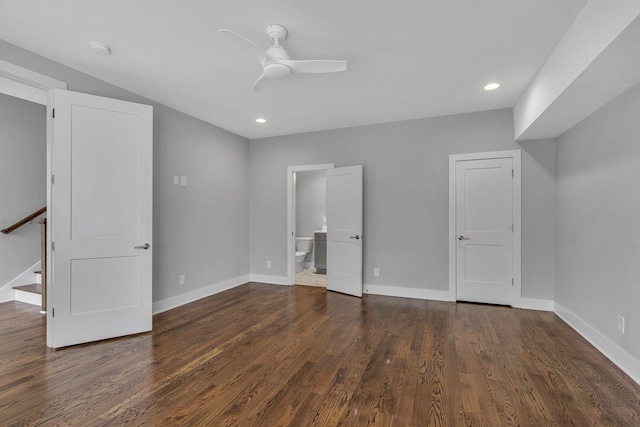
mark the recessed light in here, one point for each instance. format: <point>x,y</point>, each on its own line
<point>261,120</point>
<point>492,86</point>
<point>100,48</point>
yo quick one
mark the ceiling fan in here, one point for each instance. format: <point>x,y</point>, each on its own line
<point>275,61</point>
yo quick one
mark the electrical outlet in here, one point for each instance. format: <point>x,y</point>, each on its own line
<point>183,180</point>
<point>376,272</point>
<point>621,324</point>
<point>176,180</point>
<point>181,280</point>
<point>268,264</point>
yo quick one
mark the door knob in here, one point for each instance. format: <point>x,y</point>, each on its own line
<point>357,237</point>
<point>462,238</point>
<point>145,246</point>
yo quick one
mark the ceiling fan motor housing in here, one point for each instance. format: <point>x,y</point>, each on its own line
<point>277,32</point>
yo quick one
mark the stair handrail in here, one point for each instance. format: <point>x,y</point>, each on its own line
<point>24,221</point>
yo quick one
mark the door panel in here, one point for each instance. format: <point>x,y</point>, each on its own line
<point>101,211</point>
<point>344,230</point>
<point>484,220</point>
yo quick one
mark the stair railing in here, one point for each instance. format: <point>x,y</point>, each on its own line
<point>24,221</point>
<point>43,247</point>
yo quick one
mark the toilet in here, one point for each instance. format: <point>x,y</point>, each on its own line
<point>303,248</point>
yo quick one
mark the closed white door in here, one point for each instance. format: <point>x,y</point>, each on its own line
<point>344,230</point>
<point>484,231</point>
<point>101,218</point>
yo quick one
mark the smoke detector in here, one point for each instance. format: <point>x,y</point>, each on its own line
<point>100,48</point>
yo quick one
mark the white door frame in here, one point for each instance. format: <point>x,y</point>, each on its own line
<point>291,215</point>
<point>26,84</point>
<point>516,155</point>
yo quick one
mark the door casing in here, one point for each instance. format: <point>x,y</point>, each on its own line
<point>516,155</point>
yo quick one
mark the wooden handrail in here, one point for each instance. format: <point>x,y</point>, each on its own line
<point>24,220</point>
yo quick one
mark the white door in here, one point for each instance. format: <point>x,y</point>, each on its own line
<point>484,231</point>
<point>344,230</point>
<point>101,213</point>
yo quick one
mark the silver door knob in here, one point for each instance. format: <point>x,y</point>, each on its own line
<point>462,238</point>
<point>357,237</point>
<point>145,246</point>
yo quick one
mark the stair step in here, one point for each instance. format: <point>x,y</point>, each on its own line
<point>35,288</point>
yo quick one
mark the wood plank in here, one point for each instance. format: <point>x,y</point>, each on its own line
<point>261,355</point>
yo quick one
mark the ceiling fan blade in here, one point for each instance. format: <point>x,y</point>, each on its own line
<point>259,85</point>
<point>315,65</point>
<point>246,45</point>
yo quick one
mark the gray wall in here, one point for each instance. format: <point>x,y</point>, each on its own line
<point>598,227</point>
<point>23,182</point>
<point>405,195</point>
<point>201,230</point>
<point>311,201</point>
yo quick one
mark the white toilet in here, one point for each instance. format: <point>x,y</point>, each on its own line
<point>303,248</point>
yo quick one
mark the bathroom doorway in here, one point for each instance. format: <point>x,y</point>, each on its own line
<point>307,229</point>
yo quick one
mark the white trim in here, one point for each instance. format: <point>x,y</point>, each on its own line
<point>395,291</point>
<point>291,215</point>
<point>516,155</point>
<point>536,304</point>
<point>26,84</point>
<point>191,296</point>
<point>620,357</point>
<point>8,294</point>
<point>270,280</point>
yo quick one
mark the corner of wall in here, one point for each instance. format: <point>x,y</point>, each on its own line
<point>625,361</point>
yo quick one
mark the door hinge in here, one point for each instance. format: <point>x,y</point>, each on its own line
<point>53,246</point>
<point>512,282</point>
<point>512,228</point>
<point>512,173</point>
<point>53,113</point>
<point>53,179</point>
<point>53,312</point>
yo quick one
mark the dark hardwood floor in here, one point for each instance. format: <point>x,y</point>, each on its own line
<point>263,355</point>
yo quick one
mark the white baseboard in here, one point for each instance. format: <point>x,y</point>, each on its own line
<point>25,278</point>
<point>394,291</point>
<point>536,304</point>
<point>191,296</point>
<point>271,280</point>
<point>623,360</point>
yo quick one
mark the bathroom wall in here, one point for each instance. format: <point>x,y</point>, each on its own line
<point>311,201</point>
<point>311,206</point>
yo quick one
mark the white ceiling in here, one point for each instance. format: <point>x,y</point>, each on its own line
<point>407,59</point>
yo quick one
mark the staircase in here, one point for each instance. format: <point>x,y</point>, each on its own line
<point>32,293</point>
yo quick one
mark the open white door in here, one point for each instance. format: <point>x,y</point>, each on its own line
<point>344,230</point>
<point>101,219</point>
<point>484,230</point>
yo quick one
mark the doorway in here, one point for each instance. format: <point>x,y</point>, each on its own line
<point>31,89</point>
<point>23,191</point>
<point>485,227</point>
<point>307,221</point>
